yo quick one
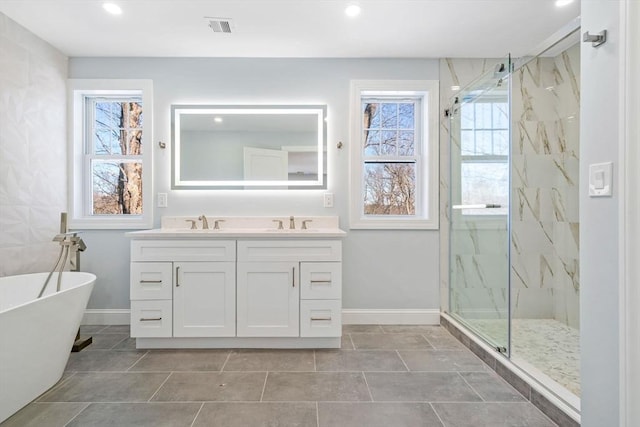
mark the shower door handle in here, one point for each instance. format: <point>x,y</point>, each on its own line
<point>479,206</point>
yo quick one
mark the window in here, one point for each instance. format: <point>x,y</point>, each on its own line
<point>111,159</point>
<point>484,144</point>
<point>394,154</point>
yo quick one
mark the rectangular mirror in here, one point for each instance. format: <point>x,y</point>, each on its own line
<point>249,146</point>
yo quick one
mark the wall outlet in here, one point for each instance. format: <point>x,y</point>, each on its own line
<point>328,200</point>
<point>162,200</point>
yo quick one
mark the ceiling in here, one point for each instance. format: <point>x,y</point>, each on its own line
<point>294,28</point>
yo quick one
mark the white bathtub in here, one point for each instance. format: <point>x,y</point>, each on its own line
<point>36,335</point>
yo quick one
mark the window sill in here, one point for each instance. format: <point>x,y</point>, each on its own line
<point>110,224</point>
<point>393,224</point>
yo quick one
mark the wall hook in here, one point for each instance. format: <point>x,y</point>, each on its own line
<point>162,145</point>
<point>595,39</point>
<point>339,145</point>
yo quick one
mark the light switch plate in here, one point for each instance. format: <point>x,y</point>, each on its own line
<point>328,200</point>
<point>600,179</point>
<point>162,200</point>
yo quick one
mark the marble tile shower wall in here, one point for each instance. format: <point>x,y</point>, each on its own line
<point>544,207</point>
<point>33,163</point>
<point>544,271</point>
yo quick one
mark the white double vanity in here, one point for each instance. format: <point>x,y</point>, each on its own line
<point>245,284</point>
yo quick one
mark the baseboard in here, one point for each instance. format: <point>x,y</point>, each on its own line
<point>391,316</point>
<point>349,317</point>
<point>107,317</point>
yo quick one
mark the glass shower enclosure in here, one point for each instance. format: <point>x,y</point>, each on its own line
<point>514,212</point>
<point>479,206</point>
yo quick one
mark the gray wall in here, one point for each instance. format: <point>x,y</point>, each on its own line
<point>599,226</point>
<point>382,269</point>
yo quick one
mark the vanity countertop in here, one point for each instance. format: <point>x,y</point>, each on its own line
<point>243,227</point>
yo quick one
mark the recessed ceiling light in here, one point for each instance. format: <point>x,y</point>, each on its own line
<point>353,10</point>
<point>560,3</point>
<point>112,8</point>
<point>217,119</point>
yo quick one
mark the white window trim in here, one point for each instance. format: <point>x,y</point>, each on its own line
<point>77,90</point>
<point>428,219</point>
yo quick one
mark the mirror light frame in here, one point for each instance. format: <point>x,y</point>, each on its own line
<point>177,111</point>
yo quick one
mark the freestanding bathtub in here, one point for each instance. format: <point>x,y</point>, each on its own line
<point>36,335</point>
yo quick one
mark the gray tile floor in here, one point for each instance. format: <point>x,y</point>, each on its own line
<point>387,376</point>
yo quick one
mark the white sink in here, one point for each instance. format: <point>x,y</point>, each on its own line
<point>244,227</point>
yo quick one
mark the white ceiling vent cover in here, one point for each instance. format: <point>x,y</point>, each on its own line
<point>219,25</point>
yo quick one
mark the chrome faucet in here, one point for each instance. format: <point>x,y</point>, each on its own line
<point>292,223</point>
<point>205,223</point>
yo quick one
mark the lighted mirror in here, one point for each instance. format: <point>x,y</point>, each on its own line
<point>249,147</point>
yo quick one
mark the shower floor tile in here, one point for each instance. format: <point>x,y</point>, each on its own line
<point>549,345</point>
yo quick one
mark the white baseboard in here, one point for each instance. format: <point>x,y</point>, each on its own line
<point>391,317</point>
<point>349,317</point>
<point>107,317</point>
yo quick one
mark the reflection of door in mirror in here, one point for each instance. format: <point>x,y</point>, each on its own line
<point>262,164</point>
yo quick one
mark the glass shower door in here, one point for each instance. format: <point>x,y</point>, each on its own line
<point>479,207</point>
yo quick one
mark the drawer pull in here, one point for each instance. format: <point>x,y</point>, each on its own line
<point>315,282</point>
<point>327,318</point>
<point>293,277</point>
<point>150,281</point>
<point>150,319</point>
<point>177,276</point>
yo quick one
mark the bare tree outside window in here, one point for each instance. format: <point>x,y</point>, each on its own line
<point>116,165</point>
<point>484,171</point>
<point>389,152</point>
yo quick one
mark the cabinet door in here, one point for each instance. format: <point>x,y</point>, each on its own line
<point>268,299</point>
<point>204,299</point>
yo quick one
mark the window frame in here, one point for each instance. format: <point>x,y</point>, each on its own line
<point>427,149</point>
<point>473,214</point>
<point>81,152</point>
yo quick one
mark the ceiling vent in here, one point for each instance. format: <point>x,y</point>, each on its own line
<point>219,25</point>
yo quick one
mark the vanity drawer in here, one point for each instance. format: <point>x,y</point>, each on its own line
<point>183,250</point>
<point>320,280</point>
<point>151,319</point>
<point>320,318</point>
<point>289,250</point>
<point>151,280</point>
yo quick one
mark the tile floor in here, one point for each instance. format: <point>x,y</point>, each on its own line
<point>387,376</point>
<point>549,345</point>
